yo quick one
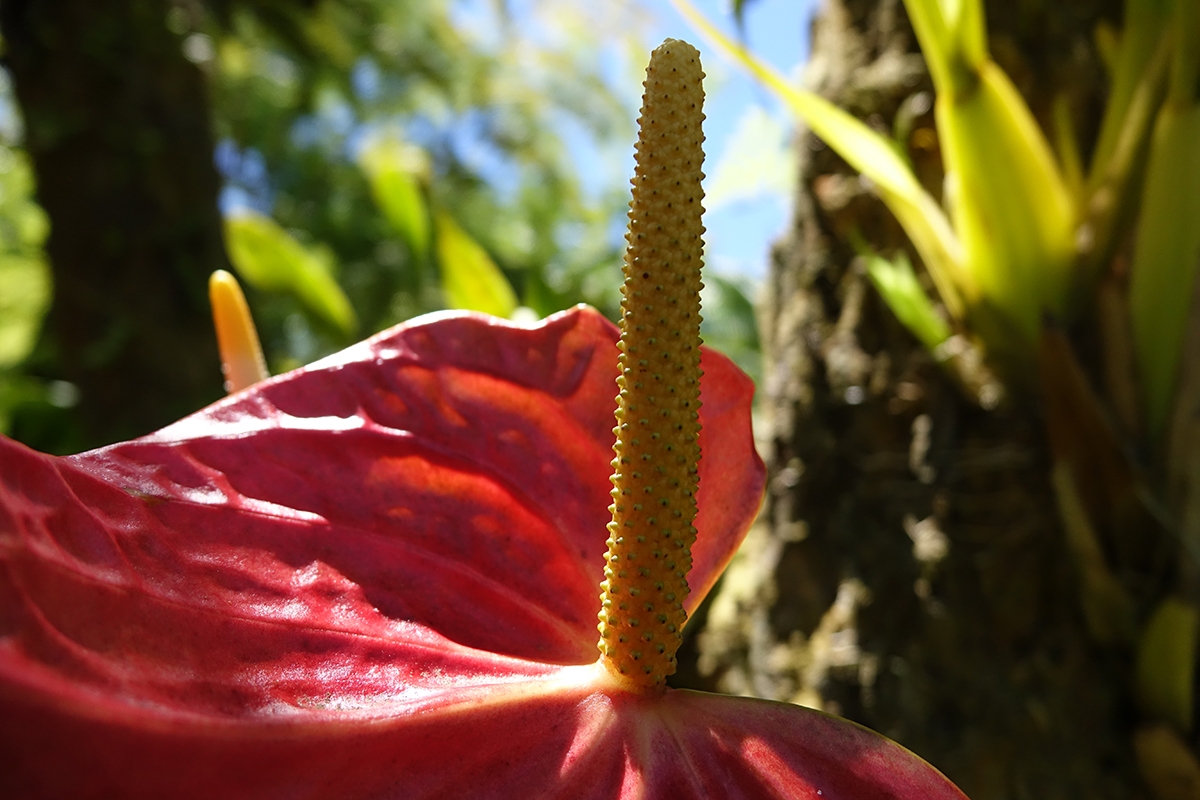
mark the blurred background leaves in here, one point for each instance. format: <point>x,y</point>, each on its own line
<point>371,161</point>
<point>25,279</point>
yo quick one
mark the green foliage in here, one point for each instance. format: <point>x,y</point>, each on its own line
<point>395,172</point>
<point>1030,237</point>
<point>1131,56</point>
<point>900,288</point>
<point>1166,254</point>
<point>1165,670</point>
<point>729,323</point>
<point>1012,211</point>
<point>871,154</point>
<point>25,283</point>
<point>758,158</point>
<point>1165,258</point>
<point>416,144</point>
<point>269,258</point>
<point>470,279</point>
<point>953,41</point>
<point>1005,261</point>
<point>387,159</point>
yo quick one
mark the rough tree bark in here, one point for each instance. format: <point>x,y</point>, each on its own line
<point>910,571</point>
<point>117,124</point>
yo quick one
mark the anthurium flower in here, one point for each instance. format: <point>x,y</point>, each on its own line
<point>378,577</point>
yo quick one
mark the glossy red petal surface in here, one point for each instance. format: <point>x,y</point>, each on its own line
<point>305,565</point>
<point>565,734</point>
<point>736,747</point>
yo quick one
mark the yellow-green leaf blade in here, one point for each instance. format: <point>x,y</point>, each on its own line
<point>1011,207</point>
<point>898,285</point>
<point>24,299</point>
<point>470,279</point>
<point>393,170</point>
<point>872,155</point>
<point>1165,258</point>
<point>269,258</point>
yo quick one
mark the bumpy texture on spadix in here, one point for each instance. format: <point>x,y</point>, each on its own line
<point>657,450</point>
<point>242,360</point>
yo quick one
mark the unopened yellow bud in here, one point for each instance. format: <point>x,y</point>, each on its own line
<point>242,360</point>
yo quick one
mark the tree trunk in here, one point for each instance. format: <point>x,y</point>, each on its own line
<point>910,570</point>
<point>117,125</point>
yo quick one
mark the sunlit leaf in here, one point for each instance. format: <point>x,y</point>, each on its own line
<point>24,300</point>
<point>872,155</point>
<point>953,41</point>
<point>1143,26</point>
<point>470,279</point>
<point>23,223</point>
<point>1165,671</point>
<point>899,287</point>
<point>729,322</point>
<point>269,258</point>
<point>1019,253</point>
<point>393,170</point>
<point>293,114</point>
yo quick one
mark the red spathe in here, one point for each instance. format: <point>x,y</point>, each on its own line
<point>374,577</point>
